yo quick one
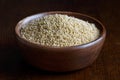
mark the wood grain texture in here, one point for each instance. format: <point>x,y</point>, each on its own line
<point>12,65</point>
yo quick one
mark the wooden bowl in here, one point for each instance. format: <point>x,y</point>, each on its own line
<point>65,58</point>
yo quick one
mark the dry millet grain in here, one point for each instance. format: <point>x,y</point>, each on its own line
<point>59,30</point>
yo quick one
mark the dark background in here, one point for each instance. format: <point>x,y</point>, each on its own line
<point>12,65</point>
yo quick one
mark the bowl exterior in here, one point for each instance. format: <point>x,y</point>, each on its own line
<point>61,60</point>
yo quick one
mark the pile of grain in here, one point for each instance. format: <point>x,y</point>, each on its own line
<point>60,31</point>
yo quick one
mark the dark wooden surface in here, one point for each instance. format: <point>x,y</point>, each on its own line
<point>12,65</point>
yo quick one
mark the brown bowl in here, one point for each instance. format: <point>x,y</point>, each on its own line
<point>65,58</point>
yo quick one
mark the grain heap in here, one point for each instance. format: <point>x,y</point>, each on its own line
<point>59,30</point>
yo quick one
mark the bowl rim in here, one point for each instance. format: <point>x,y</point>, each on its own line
<point>103,32</point>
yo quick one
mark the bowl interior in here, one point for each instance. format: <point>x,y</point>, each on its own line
<point>98,24</point>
